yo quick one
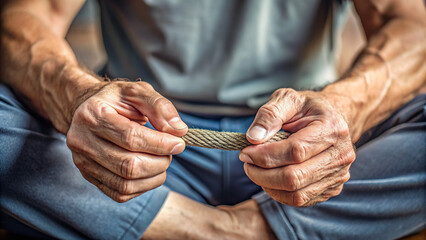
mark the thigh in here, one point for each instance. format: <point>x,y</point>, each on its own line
<point>41,187</point>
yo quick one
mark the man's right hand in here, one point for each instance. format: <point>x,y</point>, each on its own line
<point>111,146</point>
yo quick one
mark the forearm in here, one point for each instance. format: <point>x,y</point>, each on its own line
<point>183,218</point>
<point>388,73</point>
<point>40,66</point>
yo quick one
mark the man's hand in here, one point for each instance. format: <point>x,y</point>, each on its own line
<point>112,148</point>
<point>313,163</point>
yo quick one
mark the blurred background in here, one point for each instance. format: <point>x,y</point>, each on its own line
<point>85,38</point>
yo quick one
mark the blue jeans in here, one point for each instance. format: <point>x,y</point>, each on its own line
<point>43,193</point>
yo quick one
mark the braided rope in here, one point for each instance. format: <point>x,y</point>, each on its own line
<point>223,140</point>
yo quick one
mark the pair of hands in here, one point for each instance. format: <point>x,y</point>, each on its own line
<point>115,151</point>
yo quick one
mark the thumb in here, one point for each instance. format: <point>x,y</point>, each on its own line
<point>161,113</point>
<point>271,116</point>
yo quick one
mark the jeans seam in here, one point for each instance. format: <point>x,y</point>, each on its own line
<point>144,209</point>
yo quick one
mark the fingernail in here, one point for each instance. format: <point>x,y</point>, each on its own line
<point>177,123</point>
<point>257,133</point>
<point>245,158</point>
<point>177,149</point>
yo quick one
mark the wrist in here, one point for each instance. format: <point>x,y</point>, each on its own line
<point>82,85</point>
<point>348,105</point>
<point>64,91</point>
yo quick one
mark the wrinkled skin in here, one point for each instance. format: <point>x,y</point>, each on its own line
<point>313,163</point>
<point>114,150</point>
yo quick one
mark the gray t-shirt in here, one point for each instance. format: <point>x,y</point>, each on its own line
<point>222,56</point>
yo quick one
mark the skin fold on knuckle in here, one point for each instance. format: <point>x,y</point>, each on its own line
<point>269,112</point>
<point>299,199</point>
<point>79,163</point>
<point>128,138</point>
<point>73,141</point>
<point>279,196</point>
<point>298,151</point>
<point>145,86</point>
<point>335,192</point>
<point>120,198</point>
<point>159,143</point>
<point>154,182</point>
<point>160,107</point>
<point>127,166</point>
<point>289,96</point>
<point>126,187</point>
<point>262,158</point>
<point>78,143</point>
<point>135,89</point>
<point>345,156</point>
<point>294,177</point>
<point>253,177</point>
<point>163,106</point>
<point>163,145</point>
<point>246,167</point>
<point>93,112</point>
<point>121,185</point>
<point>339,125</point>
<point>345,177</point>
<point>148,167</point>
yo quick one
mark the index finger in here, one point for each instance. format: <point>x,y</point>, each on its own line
<point>300,146</point>
<point>135,137</point>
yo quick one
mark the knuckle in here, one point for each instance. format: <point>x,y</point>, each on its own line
<point>121,198</point>
<point>289,94</point>
<point>145,85</point>
<point>94,110</point>
<point>265,161</point>
<point>298,152</point>
<point>79,164</point>
<point>160,104</point>
<point>125,187</point>
<point>270,111</point>
<point>156,183</point>
<point>284,92</point>
<point>340,127</point>
<point>135,89</point>
<point>128,138</point>
<point>351,156</point>
<point>72,140</point>
<point>127,167</point>
<point>332,193</point>
<point>277,195</point>
<point>346,177</point>
<point>299,199</point>
<point>337,191</point>
<point>295,178</point>
<point>345,157</point>
<point>279,92</point>
<point>342,178</point>
<point>84,114</point>
<point>162,179</point>
<point>162,143</point>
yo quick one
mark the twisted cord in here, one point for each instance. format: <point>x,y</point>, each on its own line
<point>223,140</point>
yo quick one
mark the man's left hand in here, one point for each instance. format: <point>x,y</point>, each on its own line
<point>310,166</point>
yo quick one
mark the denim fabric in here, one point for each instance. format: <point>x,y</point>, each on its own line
<point>43,189</point>
<point>386,195</point>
